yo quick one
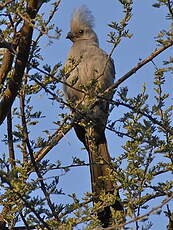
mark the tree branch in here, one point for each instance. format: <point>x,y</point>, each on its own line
<point>10,140</point>
<point>138,66</point>
<point>24,126</point>
<point>139,218</point>
<point>169,214</point>
<point>170,8</point>
<point>2,5</point>
<point>43,187</point>
<point>151,118</point>
<point>5,67</point>
<point>60,134</point>
<point>7,45</point>
<point>22,198</point>
<point>54,140</point>
<point>21,62</point>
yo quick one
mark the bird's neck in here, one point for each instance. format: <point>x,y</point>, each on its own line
<point>80,47</point>
<point>85,43</point>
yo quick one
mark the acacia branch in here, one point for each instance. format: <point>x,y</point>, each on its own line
<point>169,214</point>
<point>21,61</point>
<point>22,198</point>
<point>26,143</point>
<point>66,127</point>
<point>59,80</point>
<point>3,5</point>
<point>8,57</point>
<point>24,126</point>
<point>5,67</point>
<point>151,118</point>
<point>138,66</point>
<point>7,45</point>
<point>140,218</point>
<point>10,140</point>
<point>43,186</point>
<point>54,140</point>
<point>20,228</point>
<point>170,8</point>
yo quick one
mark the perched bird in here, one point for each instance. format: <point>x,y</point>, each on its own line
<point>90,71</point>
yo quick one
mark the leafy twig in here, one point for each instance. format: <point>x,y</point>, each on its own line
<point>3,5</point>
<point>137,67</point>
<point>140,218</point>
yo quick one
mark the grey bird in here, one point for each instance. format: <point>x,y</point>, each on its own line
<point>90,71</point>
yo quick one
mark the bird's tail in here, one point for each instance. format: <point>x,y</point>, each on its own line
<point>99,164</point>
<point>100,169</point>
<point>101,176</point>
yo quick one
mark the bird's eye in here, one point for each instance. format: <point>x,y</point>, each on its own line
<point>81,31</point>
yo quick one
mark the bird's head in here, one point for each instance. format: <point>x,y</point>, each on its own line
<point>82,23</point>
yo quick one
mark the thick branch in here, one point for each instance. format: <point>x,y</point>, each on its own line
<point>7,45</point>
<point>8,57</point>
<point>21,62</point>
<point>6,66</point>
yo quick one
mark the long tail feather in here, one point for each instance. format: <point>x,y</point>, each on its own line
<point>100,162</point>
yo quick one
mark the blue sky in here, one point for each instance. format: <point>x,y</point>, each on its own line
<point>145,25</point>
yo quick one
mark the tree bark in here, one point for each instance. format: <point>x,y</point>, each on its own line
<point>25,39</point>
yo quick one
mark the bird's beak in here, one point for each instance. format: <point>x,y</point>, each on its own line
<point>70,35</point>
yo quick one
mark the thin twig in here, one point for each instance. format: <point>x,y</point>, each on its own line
<point>56,5</point>
<point>10,140</point>
<point>66,127</point>
<point>59,80</point>
<point>27,19</point>
<point>140,218</point>
<point>151,118</point>
<point>25,201</point>
<point>2,5</point>
<point>43,187</point>
<point>169,214</point>
<point>75,208</point>
<point>54,140</point>
<point>137,67</point>
<point>24,125</point>
<point>25,222</point>
<point>170,8</point>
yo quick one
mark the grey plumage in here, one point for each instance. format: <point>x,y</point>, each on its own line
<point>88,68</point>
<point>94,63</point>
<point>82,17</point>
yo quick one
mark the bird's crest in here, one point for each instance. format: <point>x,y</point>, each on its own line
<point>82,17</point>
